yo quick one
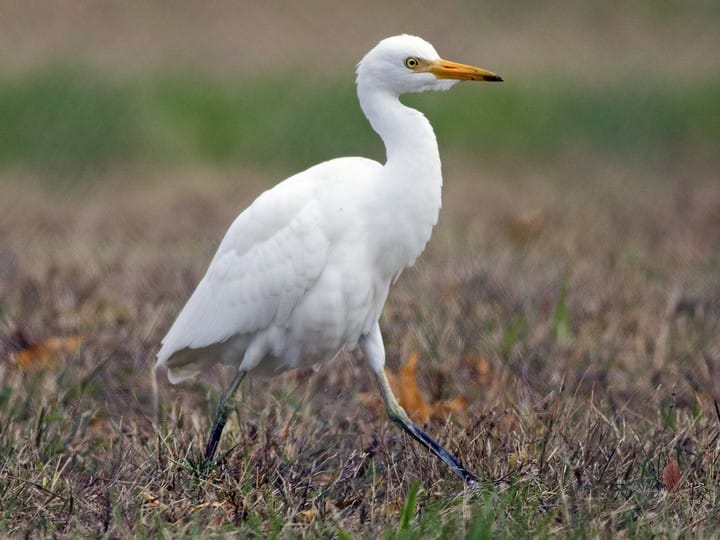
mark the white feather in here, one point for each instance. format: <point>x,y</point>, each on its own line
<point>306,269</point>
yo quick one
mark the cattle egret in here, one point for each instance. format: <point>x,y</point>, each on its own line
<point>305,270</point>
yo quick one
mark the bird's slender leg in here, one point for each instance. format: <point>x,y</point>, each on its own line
<point>398,415</point>
<point>221,416</point>
<point>374,350</point>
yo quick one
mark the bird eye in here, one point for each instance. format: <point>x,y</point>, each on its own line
<point>412,62</point>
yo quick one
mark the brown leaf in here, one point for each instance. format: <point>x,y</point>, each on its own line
<point>46,354</point>
<point>671,474</point>
<point>522,229</point>
<point>456,405</point>
<point>306,516</point>
<point>227,508</point>
<point>479,365</point>
<point>150,500</point>
<point>405,387</point>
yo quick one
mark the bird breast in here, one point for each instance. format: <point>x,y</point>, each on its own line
<point>404,214</point>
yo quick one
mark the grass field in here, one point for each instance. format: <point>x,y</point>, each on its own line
<point>75,123</point>
<point>565,317</point>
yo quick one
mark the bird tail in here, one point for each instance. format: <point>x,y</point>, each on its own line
<point>187,363</point>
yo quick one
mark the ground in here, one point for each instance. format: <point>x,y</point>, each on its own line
<point>560,334</point>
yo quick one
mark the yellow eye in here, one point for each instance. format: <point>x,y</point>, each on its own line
<point>412,62</point>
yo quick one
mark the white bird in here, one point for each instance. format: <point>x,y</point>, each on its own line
<point>305,270</point>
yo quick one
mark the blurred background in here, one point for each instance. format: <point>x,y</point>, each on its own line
<point>582,199</point>
<point>89,88</point>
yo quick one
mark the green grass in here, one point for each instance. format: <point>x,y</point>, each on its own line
<point>74,122</point>
<point>68,122</point>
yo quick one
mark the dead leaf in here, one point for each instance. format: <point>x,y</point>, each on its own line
<point>671,474</point>
<point>46,354</point>
<point>225,506</point>
<point>456,405</point>
<point>150,500</point>
<point>483,370</point>
<point>395,505</point>
<point>479,365</point>
<point>306,516</point>
<point>522,229</point>
<point>405,387</point>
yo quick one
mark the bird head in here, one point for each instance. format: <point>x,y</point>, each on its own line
<point>404,63</point>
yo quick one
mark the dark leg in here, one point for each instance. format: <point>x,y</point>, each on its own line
<point>221,417</point>
<point>399,416</point>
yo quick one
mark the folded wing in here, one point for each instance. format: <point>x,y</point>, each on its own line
<point>270,257</point>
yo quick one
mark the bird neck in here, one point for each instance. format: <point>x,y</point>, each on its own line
<point>407,198</point>
<point>408,136</point>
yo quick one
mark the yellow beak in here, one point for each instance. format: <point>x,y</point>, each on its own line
<point>445,69</point>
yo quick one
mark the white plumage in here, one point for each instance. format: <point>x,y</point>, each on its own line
<point>305,270</point>
<point>288,285</point>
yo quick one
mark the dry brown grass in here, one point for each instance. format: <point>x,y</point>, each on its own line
<point>574,307</point>
<point>577,309</point>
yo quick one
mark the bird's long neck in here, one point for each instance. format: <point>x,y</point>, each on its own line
<point>406,133</point>
<point>408,195</point>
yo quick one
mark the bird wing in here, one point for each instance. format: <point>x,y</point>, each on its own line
<point>269,258</point>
